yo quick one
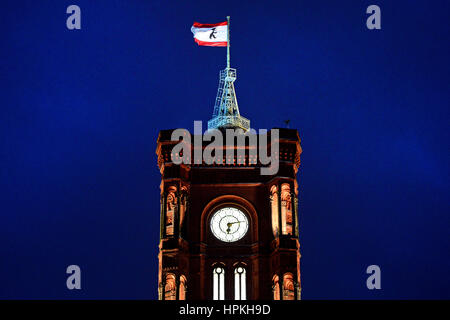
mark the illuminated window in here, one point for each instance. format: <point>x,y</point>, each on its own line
<point>274,204</point>
<point>171,206</point>
<point>182,288</point>
<point>288,287</point>
<point>286,209</point>
<point>239,284</point>
<point>219,283</point>
<point>170,287</point>
<point>276,288</point>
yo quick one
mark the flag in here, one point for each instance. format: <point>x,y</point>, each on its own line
<point>212,35</point>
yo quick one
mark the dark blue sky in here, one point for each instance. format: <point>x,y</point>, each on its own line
<point>80,112</point>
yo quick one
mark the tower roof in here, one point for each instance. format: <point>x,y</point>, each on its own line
<point>226,111</point>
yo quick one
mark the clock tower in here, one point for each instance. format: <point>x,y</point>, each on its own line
<point>227,231</point>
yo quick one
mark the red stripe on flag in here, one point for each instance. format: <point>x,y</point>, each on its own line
<point>211,44</point>
<point>209,25</point>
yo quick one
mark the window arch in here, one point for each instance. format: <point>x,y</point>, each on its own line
<point>274,204</point>
<point>219,283</point>
<point>170,287</point>
<point>171,207</point>
<point>288,287</point>
<point>286,209</point>
<point>240,285</point>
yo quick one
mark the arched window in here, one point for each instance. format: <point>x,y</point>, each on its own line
<point>219,283</point>
<point>286,209</point>
<point>170,288</point>
<point>274,204</point>
<point>276,288</point>
<point>288,287</point>
<point>171,207</point>
<point>182,288</point>
<point>240,288</point>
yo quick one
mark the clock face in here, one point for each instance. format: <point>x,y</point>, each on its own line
<point>229,224</point>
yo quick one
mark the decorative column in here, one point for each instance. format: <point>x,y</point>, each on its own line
<point>280,226</point>
<point>294,213</point>
<point>159,292</point>
<point>271,212</point>
<point>298,291</point>
<point>182,205</point>
<point>186,213</point>
<point>185,290</point>
<point>162,288</point>
<point>177,287</point>
<point>176,216</point>
<point>163,215</point>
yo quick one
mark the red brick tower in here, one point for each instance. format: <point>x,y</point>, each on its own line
<point>228,232</point>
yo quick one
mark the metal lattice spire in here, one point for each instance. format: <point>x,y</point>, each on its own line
<point>226,111</point>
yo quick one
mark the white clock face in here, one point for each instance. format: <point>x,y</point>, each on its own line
<point>229,224</point>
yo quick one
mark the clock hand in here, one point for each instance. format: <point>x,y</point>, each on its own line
<point>230,223</point>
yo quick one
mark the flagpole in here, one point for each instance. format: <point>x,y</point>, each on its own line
<point>228,42</point>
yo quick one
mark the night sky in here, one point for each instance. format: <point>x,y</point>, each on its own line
<point>80,112</point>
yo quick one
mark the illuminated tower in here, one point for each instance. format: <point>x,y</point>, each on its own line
<point>227,231</point>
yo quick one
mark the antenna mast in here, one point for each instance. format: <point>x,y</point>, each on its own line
<point>226,111</point>
<point>228,42</point>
